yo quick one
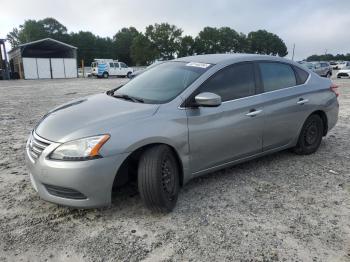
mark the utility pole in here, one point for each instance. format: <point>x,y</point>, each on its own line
<point>293,51</point>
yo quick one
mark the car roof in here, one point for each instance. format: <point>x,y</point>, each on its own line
<point>224,58</point>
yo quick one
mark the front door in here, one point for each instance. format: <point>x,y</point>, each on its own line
<point>123,69</point>
<point>231,131</point>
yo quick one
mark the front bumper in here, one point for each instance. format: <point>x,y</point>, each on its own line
<point>93,179</point>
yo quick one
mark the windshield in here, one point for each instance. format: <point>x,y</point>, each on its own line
<point>163,82</point>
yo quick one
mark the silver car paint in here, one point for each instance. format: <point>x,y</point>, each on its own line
<point>205,139</point>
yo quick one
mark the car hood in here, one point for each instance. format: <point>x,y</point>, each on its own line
<point>93,115</point>
<point>344,71</point>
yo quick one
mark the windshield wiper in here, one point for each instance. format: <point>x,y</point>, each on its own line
<point>127,97</point>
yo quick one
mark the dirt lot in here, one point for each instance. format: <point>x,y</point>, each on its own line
<point>282,207</point>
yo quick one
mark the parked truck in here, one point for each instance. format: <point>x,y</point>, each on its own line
<point>109,67</point>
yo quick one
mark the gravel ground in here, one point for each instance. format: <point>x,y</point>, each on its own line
<point>281,207</point>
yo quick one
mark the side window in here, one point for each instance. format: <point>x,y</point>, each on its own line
<point>233,82</point>
<point>111,65</point>
<point>276,76</point>
<point>302,74</point>
<point>116,65</point>
<point>122,65</point>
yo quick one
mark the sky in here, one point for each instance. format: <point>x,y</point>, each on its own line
<point>314,26</point>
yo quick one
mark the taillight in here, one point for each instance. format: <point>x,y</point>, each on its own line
<point>334,88</point>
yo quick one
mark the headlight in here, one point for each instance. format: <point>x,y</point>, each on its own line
<point>82,149</point>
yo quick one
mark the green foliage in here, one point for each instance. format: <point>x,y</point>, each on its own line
<point>91,46</point>
<point>143,51</point>
<point>263,42</point>
<point>329,57</point>
<point>166,38</point>
<point>213,40</point>
<point>186,47</point>
<point>122,43</point>
<point>159,42</point>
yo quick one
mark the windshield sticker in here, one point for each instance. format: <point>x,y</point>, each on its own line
<point>195,64</point>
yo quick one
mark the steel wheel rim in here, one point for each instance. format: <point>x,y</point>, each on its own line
<point>311,133</point>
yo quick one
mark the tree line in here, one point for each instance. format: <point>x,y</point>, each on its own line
<point>329,57</point>
<point>158,42</point>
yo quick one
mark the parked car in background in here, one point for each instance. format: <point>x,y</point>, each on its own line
<point>345,72</point>
<point>307,65</point>
<point>109,67</point>
<point>342,65</point>
<point>177,121</point>
<point>322,68</point>
<point>334,65</point>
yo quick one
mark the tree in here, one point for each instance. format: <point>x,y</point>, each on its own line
<point>207,41</point>
<point>186,47</point>
<point>13,37</point>
<point>122,43</point>
<point>166,38</point>
<point>33,30</point>
<point>85,41</point>
<point>52,27</point>
<point>143,52</point>
<point>263,42</point>
<point>213,40</point>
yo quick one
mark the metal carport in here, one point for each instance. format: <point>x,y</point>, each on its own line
<point>45,58</point>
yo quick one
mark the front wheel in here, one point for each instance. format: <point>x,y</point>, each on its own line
<point>128,75</point>
<point>310,136</point>
<point>158,178</point>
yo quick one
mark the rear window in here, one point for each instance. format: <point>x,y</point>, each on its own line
<point>302,75</point>
<point>276,76</point>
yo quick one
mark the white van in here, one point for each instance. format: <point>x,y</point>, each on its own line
<point>109,67</point>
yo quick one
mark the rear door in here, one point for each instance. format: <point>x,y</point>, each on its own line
<point>285,103</point>
<point>231,131</point>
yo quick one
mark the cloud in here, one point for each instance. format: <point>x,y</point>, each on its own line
<point>313,25</point>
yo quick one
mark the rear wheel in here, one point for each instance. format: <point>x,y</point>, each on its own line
<point>158,178</point>
<point>310,136</point>
<point>105,75</point>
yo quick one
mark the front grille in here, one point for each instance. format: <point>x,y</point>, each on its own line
<point>64,192</point>
<point>36,145</point>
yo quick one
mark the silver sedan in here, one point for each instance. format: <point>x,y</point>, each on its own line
<point>179,120</point>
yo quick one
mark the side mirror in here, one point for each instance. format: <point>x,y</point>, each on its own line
<point>207,99</point>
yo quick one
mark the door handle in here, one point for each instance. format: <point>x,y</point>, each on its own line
<point>253,112</point>
<point>302,101</point>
